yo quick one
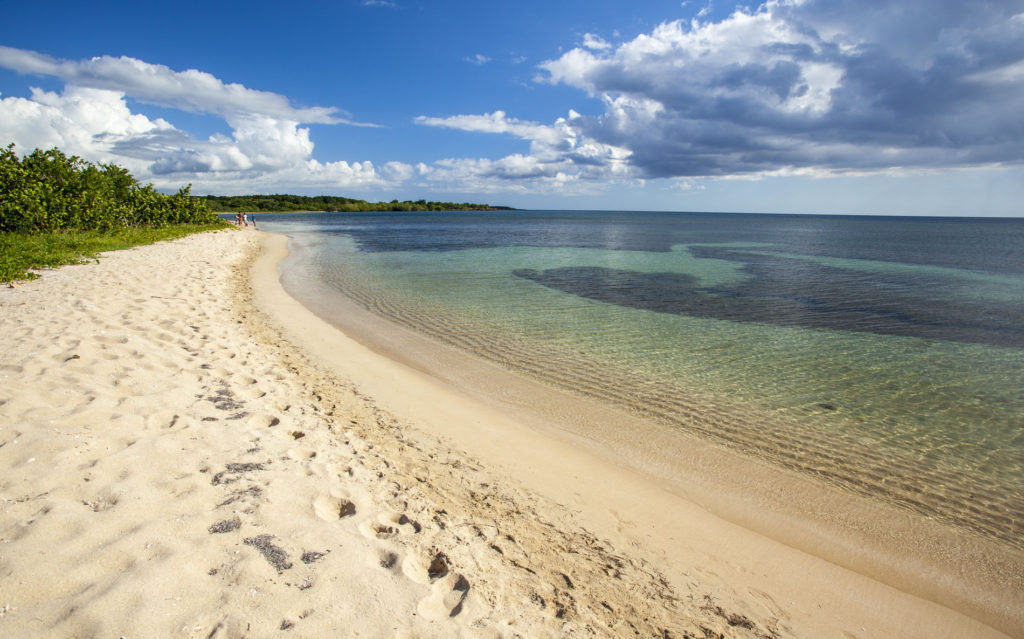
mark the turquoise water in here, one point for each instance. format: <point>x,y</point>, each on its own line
<point>883,355</point>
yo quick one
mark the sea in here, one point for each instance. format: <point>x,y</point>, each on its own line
<point>882,355</point>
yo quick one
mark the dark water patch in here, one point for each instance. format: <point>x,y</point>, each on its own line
<point>799,293</point>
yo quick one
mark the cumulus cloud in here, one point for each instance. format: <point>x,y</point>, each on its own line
<point>189,90</point>
<point>791,87</point>
<point>91,118</point>
<point>479,58</point>
<point>811,85</point>
<point>560,158</point>
<point>788,87</point>
<point>515,173</point>
<point>496,122</point>
<point>597,43</point>
<point>81,121</point>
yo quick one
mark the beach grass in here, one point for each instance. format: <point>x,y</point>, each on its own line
<point>23,252</point>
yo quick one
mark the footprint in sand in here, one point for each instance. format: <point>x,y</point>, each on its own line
<point>248,387</point>
<point>263,421</point>
<point>331,508</point>
<point>448,589</point>
<point>388,525</point>
<point>253,392</point>
<point>301,454</point>
<point>427,568</point>
<point>445,599</point>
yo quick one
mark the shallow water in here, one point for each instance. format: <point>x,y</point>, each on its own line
<point>884,355</point>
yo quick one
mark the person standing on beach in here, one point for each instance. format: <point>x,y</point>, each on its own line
<point>252,218</point>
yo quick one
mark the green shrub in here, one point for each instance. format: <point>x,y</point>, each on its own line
<point>49,191</point>
<point>56,210</point>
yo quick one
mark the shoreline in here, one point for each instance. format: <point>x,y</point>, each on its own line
<point>974,575</point>
<point>187,450</point>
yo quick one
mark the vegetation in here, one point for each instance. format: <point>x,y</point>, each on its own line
<point>22,251</point>
<point>289,203</point>
<point>56,209</point>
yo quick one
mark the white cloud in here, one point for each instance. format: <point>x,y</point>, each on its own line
<point>496,122</point>
<point>560,158</point>
<point>737,57</point>
<point>91,118</point>
<point>811,86</point>
<point>591,41</point>
<point>98,125</point>
<point>189,90</point>
<point>791,87</point>
<point>80,121</point>
<point>268,147</point>
<point>512,174</point>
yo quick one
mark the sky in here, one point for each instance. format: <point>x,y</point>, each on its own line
<point>905,107</point>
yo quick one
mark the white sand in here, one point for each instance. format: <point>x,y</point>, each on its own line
<point>181,455</point>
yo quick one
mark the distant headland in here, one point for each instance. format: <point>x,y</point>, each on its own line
<point>281,203</point>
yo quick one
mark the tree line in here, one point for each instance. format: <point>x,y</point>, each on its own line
<point>284,203</point>
<point>50,191</point>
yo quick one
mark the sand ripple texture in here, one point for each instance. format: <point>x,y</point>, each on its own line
<point>169,467</point>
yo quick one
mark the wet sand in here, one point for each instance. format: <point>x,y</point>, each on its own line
<point>187,451</point>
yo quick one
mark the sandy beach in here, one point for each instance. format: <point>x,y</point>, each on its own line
<point>185,450</point>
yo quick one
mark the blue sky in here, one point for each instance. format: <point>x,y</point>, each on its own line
<point>807,106</point>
